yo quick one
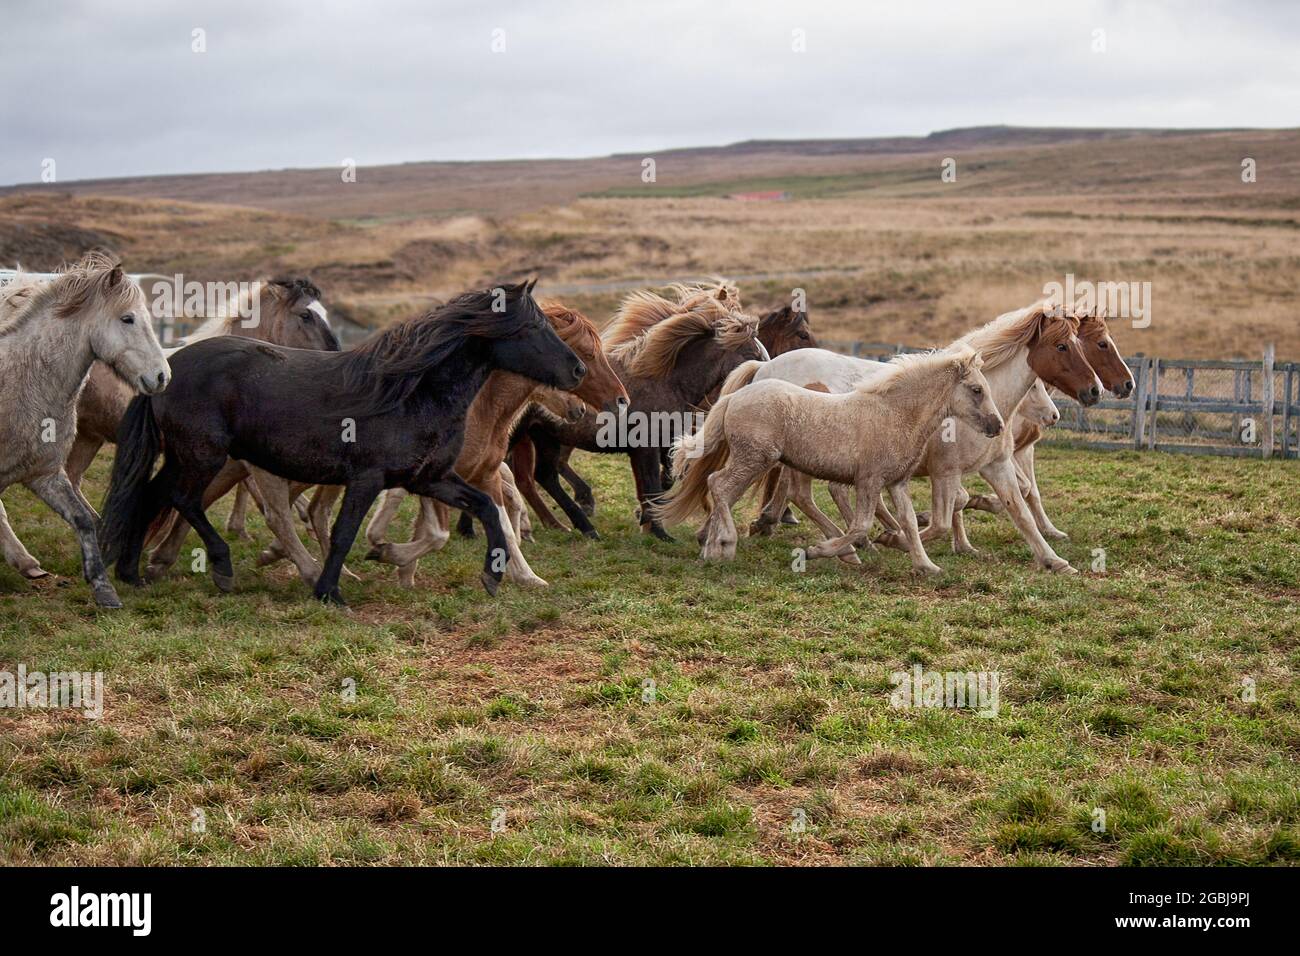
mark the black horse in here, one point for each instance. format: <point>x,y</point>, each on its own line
<point>388,414</point>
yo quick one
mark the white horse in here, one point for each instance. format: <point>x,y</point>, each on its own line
<point>91,311</point>
<point>1037,342</point>
<point>873,436</point>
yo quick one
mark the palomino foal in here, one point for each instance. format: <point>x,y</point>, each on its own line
<point>872,437</point>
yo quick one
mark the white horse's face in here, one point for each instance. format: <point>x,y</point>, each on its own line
<point>1038,406</point>
<point>122,337</point>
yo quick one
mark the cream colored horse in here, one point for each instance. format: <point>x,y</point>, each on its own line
<point>872,437</point>
<point>1037,342</point>
<point>50,333</point>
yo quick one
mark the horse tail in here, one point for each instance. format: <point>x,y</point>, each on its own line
<point>740,376</point>
<point>694,458</point>
<point>139,443</point>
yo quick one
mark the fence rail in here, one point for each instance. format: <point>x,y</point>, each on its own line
<point>1232,407</point>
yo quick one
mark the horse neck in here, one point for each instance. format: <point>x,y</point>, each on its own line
<point>449,387</point>
<point>62,355</point>
<point>1010,382</point>
<point>918,411</point>
<point>699,373</point>
<point>499,401</point>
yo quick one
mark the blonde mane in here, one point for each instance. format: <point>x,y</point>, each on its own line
<point>642,309</point>
<point>1000,340</point>
<point>917,370</point>
<point>655,351</point>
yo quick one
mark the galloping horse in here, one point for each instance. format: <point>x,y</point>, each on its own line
<point>670,355</point>
<point>1035,342</point>
<point>92,310</point>
<point>491,419</point>
<point>873,436</point>
<point>388,414</point>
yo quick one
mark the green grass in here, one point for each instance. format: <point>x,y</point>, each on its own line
<point>769,703</point>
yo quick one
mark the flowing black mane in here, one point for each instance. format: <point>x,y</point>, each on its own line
<point>384,372</point>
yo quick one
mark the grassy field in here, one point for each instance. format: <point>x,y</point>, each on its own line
<point>1121,691</point>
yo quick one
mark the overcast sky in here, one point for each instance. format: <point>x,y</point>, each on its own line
<point>115,88</point>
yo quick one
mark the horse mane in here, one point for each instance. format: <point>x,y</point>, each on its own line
<point>641,309</point>
<point>571,325</point>
<point>282,292</point>
<point>655,352</point>
<point>385,371</point>
<point>916,370</point>
<point>71,292</point>
<point>1000,340</point>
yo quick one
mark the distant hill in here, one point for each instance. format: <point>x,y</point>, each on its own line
<point>501,188</point>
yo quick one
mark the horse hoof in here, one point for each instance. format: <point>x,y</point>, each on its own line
<point>333,597</point>
<point>154,573</point>
<point>527,536</point>
<point>789,518</point>
<point>267,557</point>
<point>1060,566</point>
<point>490,583</point>
<point>593,535</point>
<point>106,597</point>
<point>927,571</point>
<point>588,508</point>
<point>375,554</point>
<point>663,535</point>
<point>760,529</point>
<point>1056,535</point>
<point>225,582</point>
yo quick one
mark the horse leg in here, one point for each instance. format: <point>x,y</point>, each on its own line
<point>1001,474</point>
<point>15,555</point>
<point>1025,467</point>
<point>548,477</point>
<point>431,528</point>
<point>524,466</point>
<point>581,490</point>
<point>236,522</point>
<point>725,488</point>
<point>859,532</point>
<point>770,481</point>
<point>429,534</point>
<point>801,486</point>
<point>458,493</point>
<point>517,567</point>
<point>902,499</point>
<point>943,493</point>
<point>775,501</point>
<point>358,496</point>
<point>646,466</point>
<point>960,543</point>
<point>390,502</point>
<point>277,501</point>
<point>515,506</point>
<point>57,492</point>
<point>187,498</point>
<point>84,450</point>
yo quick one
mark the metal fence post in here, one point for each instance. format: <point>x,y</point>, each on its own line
<point>1139,401</point>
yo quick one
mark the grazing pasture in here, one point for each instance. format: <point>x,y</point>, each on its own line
<point>1121,691</point>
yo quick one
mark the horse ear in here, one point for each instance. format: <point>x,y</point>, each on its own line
<point>113,277</point>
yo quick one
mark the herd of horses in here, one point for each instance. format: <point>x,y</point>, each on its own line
<point>478,404</point>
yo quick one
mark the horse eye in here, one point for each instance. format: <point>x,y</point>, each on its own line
<point>129,319</point>
<point>306,316</point>
<point>977,389</point>
<point>1062,347</point>
<point>1102,344</point>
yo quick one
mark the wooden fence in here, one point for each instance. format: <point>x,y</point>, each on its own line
<point>1186,406</point>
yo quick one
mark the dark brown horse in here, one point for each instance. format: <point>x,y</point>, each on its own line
<point>390,414</point>
<point>670,356</point>
<point>781,330</point>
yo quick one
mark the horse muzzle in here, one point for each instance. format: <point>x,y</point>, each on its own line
<point>154,382</point>
<point>1089,396</point>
